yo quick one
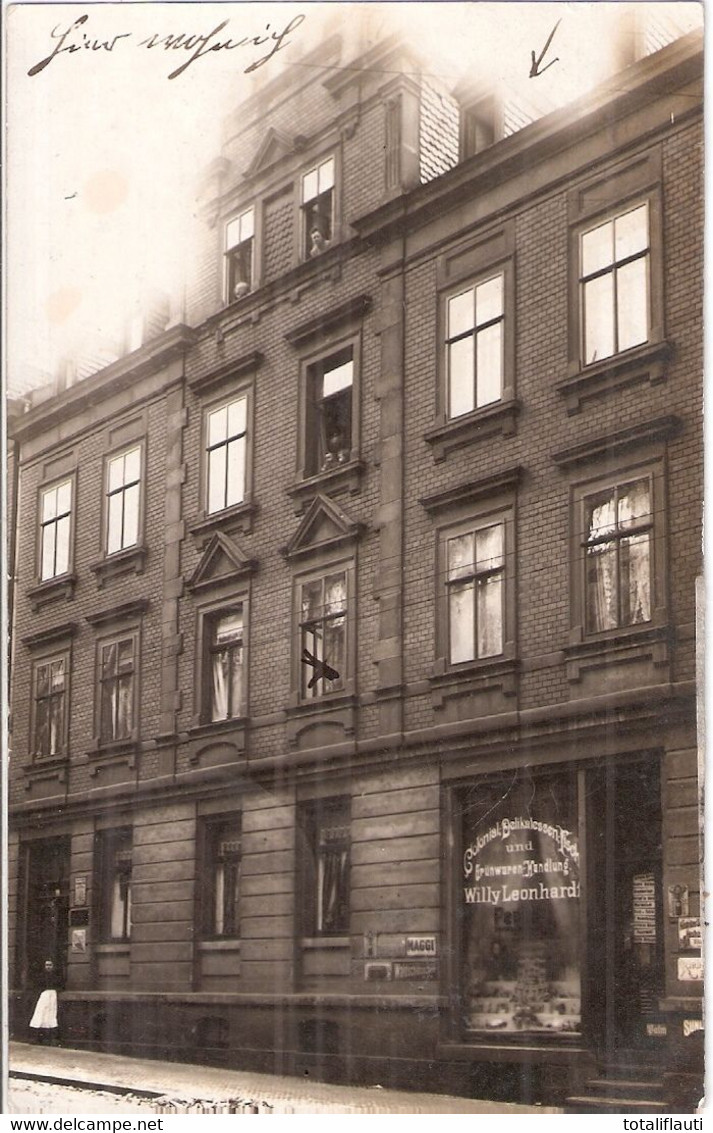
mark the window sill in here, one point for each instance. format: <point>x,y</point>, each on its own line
<point>634,643</point>
<point>343,477</point>
<point>312,942</point>
<point>222,945</point>
<point>647,363</point>
<point>446,436</point>
<point>341,699</point>
<point>487,675</point>
<point>130,561</point>
<point>119,751</point>
<point>236,518</point>
<point>52,589</point>
<point>46,767</point>
<point>215,727</point>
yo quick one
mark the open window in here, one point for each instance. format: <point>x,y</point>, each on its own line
<point>323,634</point>
<point>225,665</point>
<point>318,208</point>
<point>330,393</point>
<point>239,255</point>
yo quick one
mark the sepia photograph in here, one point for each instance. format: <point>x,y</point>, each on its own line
<point>352,515</point>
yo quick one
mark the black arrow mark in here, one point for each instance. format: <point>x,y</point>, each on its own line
<point>535,68</point>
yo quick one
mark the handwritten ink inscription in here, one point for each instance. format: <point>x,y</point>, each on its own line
<point>75,38</point>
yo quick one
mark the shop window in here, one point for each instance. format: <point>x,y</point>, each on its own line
<point>618,556</point>
<point>330,390</point>
<point>123,500</point>
<point>323,634</point>
<point>326,881</point>
<point>521,905</point>
<point>614,284</point>
<point>239,252</point>
<point>115,854</point>
<point>225,667</point>
<point>318,208</point>
<point>221,910</point>
<point>226,444</point>
<point>117,680</point>
<point>50,706</point>
<point>475,585</point>
<point>55,530</point>
<point>475,320</point>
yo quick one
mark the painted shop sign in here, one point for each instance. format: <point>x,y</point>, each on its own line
<point>550,858</point>
<point>415,970</point>
<point>420,946</point>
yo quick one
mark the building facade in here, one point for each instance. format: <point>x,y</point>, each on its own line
<point>354,674</point>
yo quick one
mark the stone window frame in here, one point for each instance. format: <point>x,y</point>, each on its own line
<point>45,590</point>
<point>131,559</point>
<point>103,839</point>
<point>56,654</point>
<point>333,154</point>
<point>466,265</point>
<point>255,255</point>
<point>318,339</point>
<point>456,511</point>
<point>310,811</point>
<point>207,614</point>
<point>116,624</point>
<point>594,202</point>
<point>648,468</point>
<point>208,827</point>
<point>312,573</point>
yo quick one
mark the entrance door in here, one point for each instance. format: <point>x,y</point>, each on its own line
<point>625,929</point>
<point>47,909</point>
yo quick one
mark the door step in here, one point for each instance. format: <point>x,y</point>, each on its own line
<point>621,1089</point>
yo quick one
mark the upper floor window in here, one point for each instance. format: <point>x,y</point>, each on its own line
<point>318,208</point>
<point>50,706</point>
<point>239,252</point>
<point>476,593</point>
<point>226,665</point>
<point>226,454</point>
<point>117,679</point>
<point>614,284</point>
<point>618,556</point>
<point>55,527</point>
<point>330,385</point>
<point>123,500</point>
<point>115,853</point>
<point>221,908</point>
<point>475,346</point>
<point>323,634</point>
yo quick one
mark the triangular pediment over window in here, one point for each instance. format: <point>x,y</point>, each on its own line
<point>273,148</point>
<point>324,525</point>
<point>222,561</point>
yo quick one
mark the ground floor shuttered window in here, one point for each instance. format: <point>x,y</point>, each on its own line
<point>520,897</point>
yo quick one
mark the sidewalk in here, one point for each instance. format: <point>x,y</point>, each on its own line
<point>284,1095</point>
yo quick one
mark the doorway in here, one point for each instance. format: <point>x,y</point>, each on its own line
<point>625,907</point>
<point>47,909</point>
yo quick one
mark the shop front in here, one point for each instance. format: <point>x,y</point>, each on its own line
<point>558,912</point>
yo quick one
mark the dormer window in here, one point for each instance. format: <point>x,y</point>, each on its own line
<point>478,126</point>
<point>318,208</point>
<point>239,238</point>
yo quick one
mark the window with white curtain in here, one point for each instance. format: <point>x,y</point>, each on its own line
<point>475,584</point>
<point>222,895</point>
<point>323,634</point>
<point>117,683</point>
<point>115,848</point>
<point>55,529</point>
<point>618,555</point>
<point>226,663</point>
<point>50,706</point>
<point>327,866</point>
<point>614,284</point>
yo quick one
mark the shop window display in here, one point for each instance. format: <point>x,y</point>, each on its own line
<point>521,903</point>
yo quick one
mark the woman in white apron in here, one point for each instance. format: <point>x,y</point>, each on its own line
<point>43,1024</point>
